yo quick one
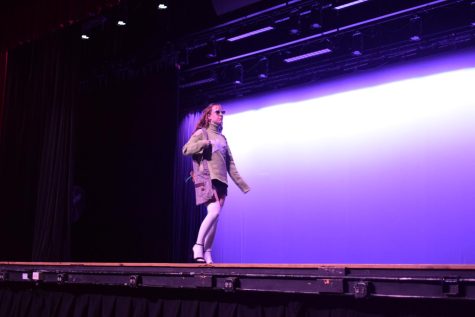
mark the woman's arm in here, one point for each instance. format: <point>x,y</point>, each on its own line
<point>195,144</point>
<point>233,172</point>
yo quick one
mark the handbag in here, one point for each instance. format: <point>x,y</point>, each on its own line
<point>201,177</point>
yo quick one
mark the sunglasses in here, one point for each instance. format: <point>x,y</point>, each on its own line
<point>218,112</point>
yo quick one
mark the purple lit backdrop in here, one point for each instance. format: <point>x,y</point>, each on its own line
<point>373,168</point>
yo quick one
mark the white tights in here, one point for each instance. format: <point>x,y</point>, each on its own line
<point>208,226</point>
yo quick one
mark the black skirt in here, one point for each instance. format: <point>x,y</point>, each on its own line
<point>220,187</point>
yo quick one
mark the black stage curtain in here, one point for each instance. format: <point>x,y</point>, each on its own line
<point>125,132</point>
<point>3,79</point>
<point>35,151</point>
<point>186,215</point>
<point>84,175</point>
<point>39,302</point>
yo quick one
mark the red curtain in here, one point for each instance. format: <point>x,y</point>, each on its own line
<point>30,19</point>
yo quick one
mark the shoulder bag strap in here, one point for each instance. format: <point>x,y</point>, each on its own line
<point>205,162</point>
<point>205,166</point>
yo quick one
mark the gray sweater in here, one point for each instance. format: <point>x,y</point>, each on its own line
<point>221,162</point>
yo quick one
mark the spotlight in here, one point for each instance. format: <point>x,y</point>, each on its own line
<point>294,31</point>
<point>92,26</point>
<point>315,26</point>
<point>357,44</point>
<point>162,6</point>
<point>295,24</point>
<point>122,14</point>
<point>416,28</point>
<point>315,19</point>
<point>263,68</point>
<point>211,51</point>
<point>238,74</point>
<point>307,55</point>
<point>472,13</point>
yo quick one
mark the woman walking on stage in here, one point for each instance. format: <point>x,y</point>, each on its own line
<point>210,152</point>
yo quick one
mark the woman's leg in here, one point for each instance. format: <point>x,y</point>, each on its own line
<point>206,228</point>
<point>209,237</point>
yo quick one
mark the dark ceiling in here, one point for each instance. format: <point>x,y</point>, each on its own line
<point>27,20</point>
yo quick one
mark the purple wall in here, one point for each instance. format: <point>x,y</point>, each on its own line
<point>373,168</point>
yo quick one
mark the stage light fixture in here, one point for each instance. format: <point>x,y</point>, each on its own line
<point>315,19</point>
<point>121,14</point>
<point>93,26</point>
<point>295,24</point>
<point>249,34</point>
<point>472,13</point>
<point>238,74</point>
<point>162,6</point>
<point>307,55</point>
<point>357,44</point>
<point>294,31</point>
<point>323,33</point>
<point>211,49</point>
<point>416,28</point>
<point>263,68</point>
<point>315,26</point>
<point>349,4</point>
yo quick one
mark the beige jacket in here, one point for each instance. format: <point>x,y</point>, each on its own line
<point>221,161</point>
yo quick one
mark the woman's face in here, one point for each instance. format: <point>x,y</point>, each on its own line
<point>216,115</point>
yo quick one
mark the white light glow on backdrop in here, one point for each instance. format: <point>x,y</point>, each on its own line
<point>372,171</point>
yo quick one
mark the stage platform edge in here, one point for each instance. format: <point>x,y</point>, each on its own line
<point>354,280</point>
